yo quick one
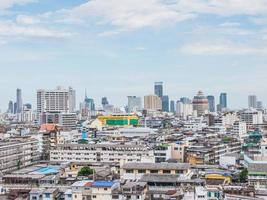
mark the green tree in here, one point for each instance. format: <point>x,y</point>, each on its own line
<point>243,176</point>
<point>86,171</point>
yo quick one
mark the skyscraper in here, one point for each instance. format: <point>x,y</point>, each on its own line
<point>134,104</point>
<point>211,100</point>
<point>158,89</point>
<point>200,103</point>
<point>152,102</point>
<point>252,101</point>
<point>15,108</point>
<point>10,107</point>
<point>72,99</point>
<point>165,103</point>
<point>259,105</point>
<point>104,102</point>
<point>172,106</point>
<point>19,101</point>
<point>58,100</point>
<point>223,100</point>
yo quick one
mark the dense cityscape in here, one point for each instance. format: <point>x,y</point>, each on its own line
<point>153,148</point>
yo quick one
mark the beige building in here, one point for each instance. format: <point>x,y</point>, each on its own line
<point>152,102</point>
<point>200,104</point>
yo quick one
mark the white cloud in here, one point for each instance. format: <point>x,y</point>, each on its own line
<point>130,14</point>
<point>8,29</point>
<point>27,20</point>
<point>222,48</point>
<point>5,4</point>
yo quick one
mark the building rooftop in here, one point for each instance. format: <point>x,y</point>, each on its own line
<point>157,166</point>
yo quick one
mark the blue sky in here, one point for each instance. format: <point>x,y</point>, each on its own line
<point>116,48</point>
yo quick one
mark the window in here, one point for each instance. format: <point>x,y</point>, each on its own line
<point>105,189</point>
<point>69,195</point>
<point>47,195</point>
<point>166,171</point>
<point>209,194</point>
<point>153,171</point>
<point>94,196</point>
<point>141,171</point>
<point>129,171</point>
<point>34,198</point>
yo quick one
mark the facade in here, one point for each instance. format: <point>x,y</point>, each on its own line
<point>251,117</point>
<point>200,104</point>
<point>135,171</point>
<point>19,101</point>
<point>58,100</point>
<point>18,153</point>
<point>67,120</point>
<point>134,104</point>
<point>158,89</point>
<point>152,102</point>
<point>10,107</point>
<point>252,101</point>
<point>211,100</point>
<point>108,153</point>
<point>165,103</point>
<point>223,101</point>
<point>172,106</point>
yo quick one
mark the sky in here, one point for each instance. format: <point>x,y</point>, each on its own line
<point>117,48</point>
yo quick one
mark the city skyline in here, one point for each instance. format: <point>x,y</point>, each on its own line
<point>80,98</point>
<point>189,45</point>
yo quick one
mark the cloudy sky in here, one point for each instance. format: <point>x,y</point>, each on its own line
<point>116,48</point>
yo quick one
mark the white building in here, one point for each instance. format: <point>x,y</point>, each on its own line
<point>134,104</point>
<point>240,128</point>
<point>58,100</point>
<point>184,110</point>
<point>251,117</point>
<point>107,153</point>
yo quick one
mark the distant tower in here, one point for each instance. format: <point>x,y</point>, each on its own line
<point>211,100</point>
<point>15,108</point>
<point>200,103</point>
<point>172,106</point>
<point>104,102</point>
<point>158,89</point>
<point>252,101</point>
<point>19,101</point>
<point>134,104</point>
<point>223,100</point>
<point>10,107</point>
<point>165,103</point>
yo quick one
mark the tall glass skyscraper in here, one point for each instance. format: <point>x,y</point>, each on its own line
<point>158,89</point>
<point>165,103</point>
<point>223,100</point>
<point>19,101</point>
<point>211,100</point>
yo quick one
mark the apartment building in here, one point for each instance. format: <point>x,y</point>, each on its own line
<point>106,153</point>
<point>135,171</point>
<point>18,152</point>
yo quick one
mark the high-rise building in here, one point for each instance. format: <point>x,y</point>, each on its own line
<point>15,108</point>
<point>165,103</point>
<point>200,103</point>
<point>10,107</point>
<point>172,106</point>
<point>185,100</point>
<point>19,101</point>
<point>58,100</point>
<point>211,100</point>
<point>259,105</point>
<point>158,89</point>
<point>223,100</point>
<point>152,102</point>
<point>134,104</point>
<point>104,102</point>
<point>252,101</point>
<point>184,110</point>
<point>72,99</point>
